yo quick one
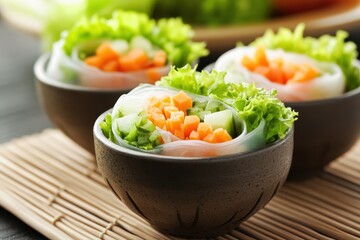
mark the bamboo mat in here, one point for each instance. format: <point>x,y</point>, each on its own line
<point>54,186</point>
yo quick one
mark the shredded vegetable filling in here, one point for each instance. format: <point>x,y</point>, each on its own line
<point>170,114</point>
<point>278,71</point>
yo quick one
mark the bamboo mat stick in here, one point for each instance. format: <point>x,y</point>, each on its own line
<point>319,223</point>
<point>240,235</point>
<point>337,187</point>
<point>302,197</point>
<point>250,231</point>
<point>296,234</point>
<point>318,195</point>
<point>315,210</point>
<point>269,235</point>
<point>339,181</point>
<point>276,217</point>
<point>57,135</point>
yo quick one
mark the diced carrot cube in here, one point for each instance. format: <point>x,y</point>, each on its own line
<point>168,125</point>
<point>249,63</point>
<point>159,120</point>
<point>298,77</point>
<point>177,116</point>
<point>175,124</point>
<point>260,57</point>
<point>159,59</point>
<point>210,138</point>
<point>288,70</point>
<point>111,66</point>
<point>204,129</point>
<point>265,71</point>
<point>126,64</point>
<point>276,75</point>
<point>191,124</point>
<point>182,101</point>
<point>153,75</point>
<point>94,61</point>
<point>222,135</point>
<point>105,52</point>
<point>168,110</point>
<point>179,134</point>
<point>140,58</point>
<point>194,135</point>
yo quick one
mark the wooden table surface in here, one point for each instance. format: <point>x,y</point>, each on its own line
<point>20,113</point>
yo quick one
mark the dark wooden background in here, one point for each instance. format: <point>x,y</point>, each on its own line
<point>20,113</point>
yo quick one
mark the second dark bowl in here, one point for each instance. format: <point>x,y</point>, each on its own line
<point>72,108</point>
<point>325,130</point>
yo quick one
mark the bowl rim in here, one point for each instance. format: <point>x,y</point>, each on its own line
<point>184,160</point>
<point>40,74</point>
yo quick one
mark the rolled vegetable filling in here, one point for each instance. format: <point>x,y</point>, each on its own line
<point>122,51</point>
<point>197,114</point>
<point>277,70</point>
<point>173,122</point>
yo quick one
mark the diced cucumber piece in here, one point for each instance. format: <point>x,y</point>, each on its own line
<point>126,123</point>
<point>200,104</point>
<point>155,136</point>
<point>198,112</point>
<point>223,119</point>
<point>131,105</point>
<point>148,127</point>
<point>132,136</point>
<point>214,106</point>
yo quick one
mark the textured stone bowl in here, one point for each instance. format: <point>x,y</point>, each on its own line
<point>325,130</point>
<point>193,197</point>
<point>72,108</point>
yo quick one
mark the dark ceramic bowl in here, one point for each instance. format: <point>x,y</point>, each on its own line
<point>72,108</point>
<point>193,197</point>
<point>325,130</point>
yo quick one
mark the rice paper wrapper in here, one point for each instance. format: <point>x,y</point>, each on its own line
<point>71,69</point>
<point>330,83</point>
<point>134,102</point>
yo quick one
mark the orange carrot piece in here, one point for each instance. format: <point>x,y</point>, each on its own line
<point>210,138</point>
<point>140,58</point>
<point>182,101</point>
<point>222,135</point>
<point>289,70</point>
<point>178,115</point>
<point>105,52</point>
<point>194,135</point>
<point>204,129</point>
<point>298,77</point>
<point>179,134</point>
<point>190,124</point>
<point>168,110</point>
<point>260,57</point>
<point>153,75</point>
<point>126,64</point>
<point>265,71</point>
<point>249,63</point>
<point>159,59</point>
<point>94,61</point>
<point>276,75</point>
<point>175,124</point>
<point>159,120</point>
<point>111,66</point>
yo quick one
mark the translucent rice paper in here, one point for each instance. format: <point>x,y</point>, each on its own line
<point>330,83</point>
<point>135,101</point>
<point>71,69</point>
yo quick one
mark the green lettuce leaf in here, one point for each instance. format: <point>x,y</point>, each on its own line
<point>252,104</point>
<point>325,48</point>
<point>171,35</point>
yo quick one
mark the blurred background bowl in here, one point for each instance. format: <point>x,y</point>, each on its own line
<point>72,108</point>
<point>193,197</point>
<point>325,130</point>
